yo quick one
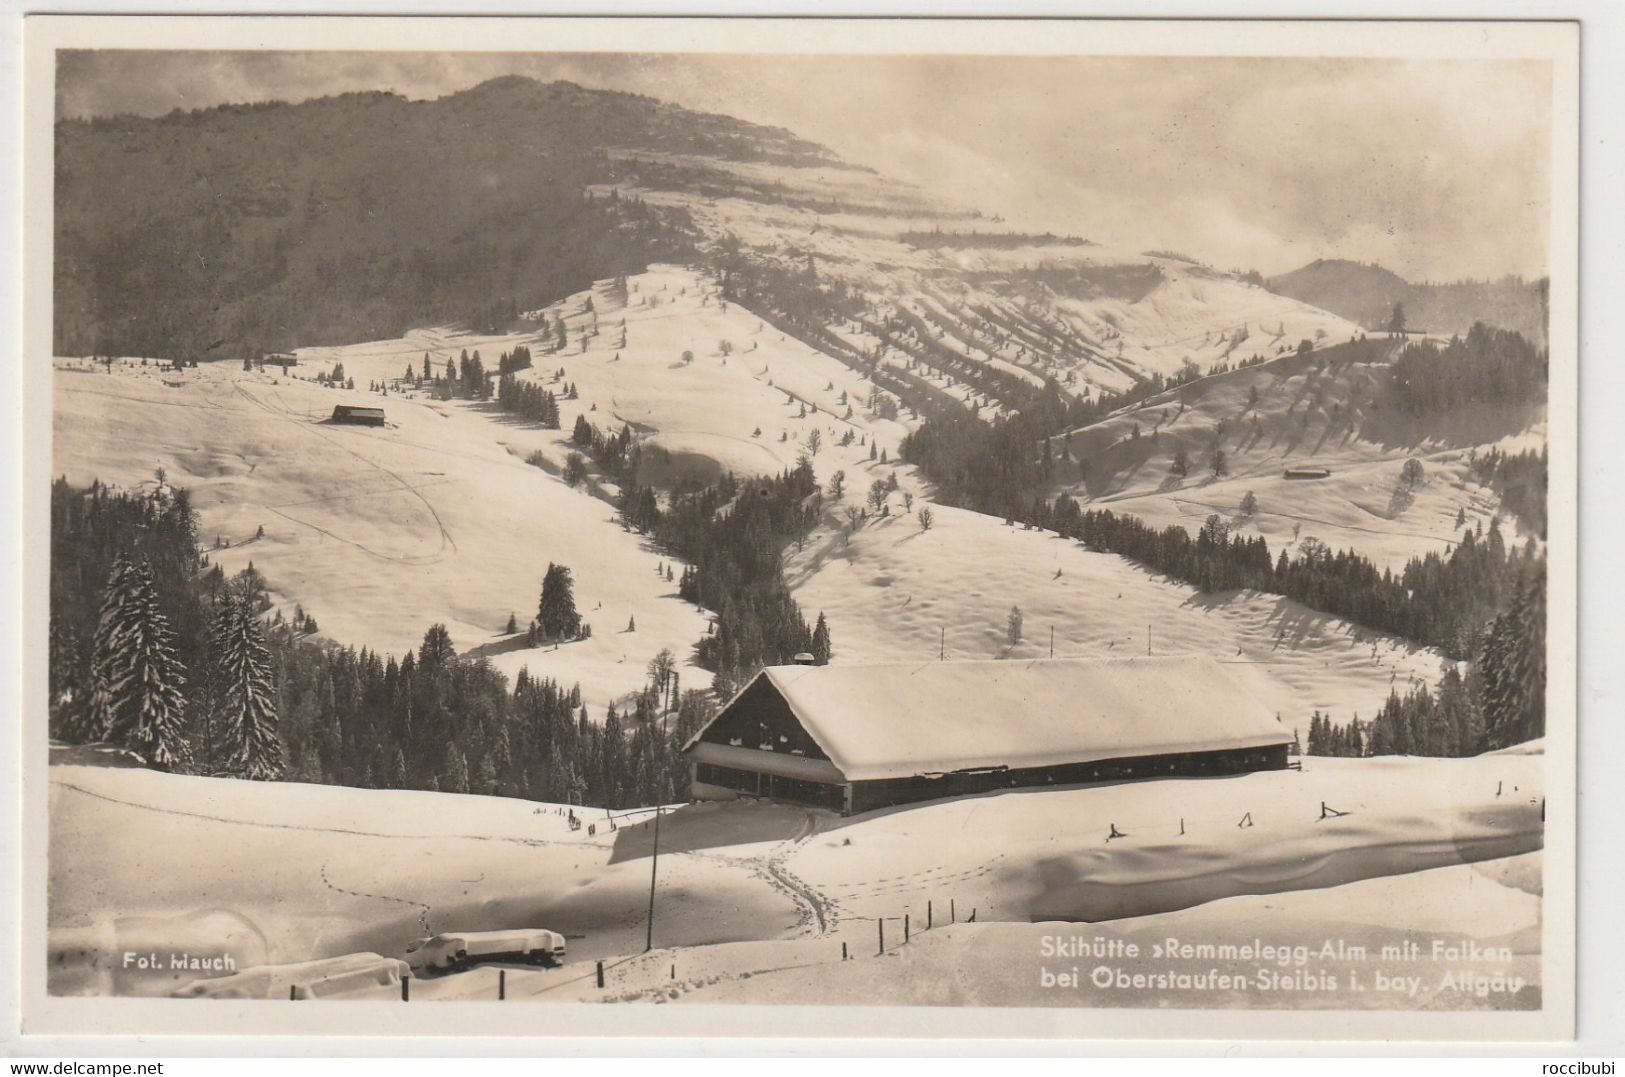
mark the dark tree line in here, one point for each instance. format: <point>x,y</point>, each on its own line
<point>1520,479</point>
<point>1443,601</point>
<point>432,720</point>
<point>514,361</point>
<point>732,533</point>
<point>155,650</point>
<point>1488,366</point>
<point>528,400</point>
<point>1484,603</point>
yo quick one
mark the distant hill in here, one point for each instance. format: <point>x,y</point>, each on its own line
<point>244,229</point>
<point>247,228</point>
<point>1366,294</point>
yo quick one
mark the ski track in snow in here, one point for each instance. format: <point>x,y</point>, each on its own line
<point>816,903</point>
<point>445,535</point>
<point>258,824</point>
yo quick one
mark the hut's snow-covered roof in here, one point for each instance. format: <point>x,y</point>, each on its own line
<point>893,721</point>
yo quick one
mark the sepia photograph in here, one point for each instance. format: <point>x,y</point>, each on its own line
<point>1069,525</point>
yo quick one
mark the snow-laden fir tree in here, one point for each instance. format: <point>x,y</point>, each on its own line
<point>242,677</point>
<point>95,719</point>
<point>821,651</point>
<point>145,677</point>
<point>1513,664</point>
<point>556,611</point>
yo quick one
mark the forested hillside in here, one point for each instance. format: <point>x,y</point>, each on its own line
<point>247,228</point>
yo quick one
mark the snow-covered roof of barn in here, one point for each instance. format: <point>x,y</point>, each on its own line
<point>894,721</point>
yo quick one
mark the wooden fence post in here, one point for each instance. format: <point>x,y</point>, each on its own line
<point>406,989</point>
<point>600,975</point>
<point>928,916</point>
<point>502,984</point>
<point>953,912</point>
<point>905,927</point>
<point>843,951</point>
<point>880,922</point>
<point>292,992</point>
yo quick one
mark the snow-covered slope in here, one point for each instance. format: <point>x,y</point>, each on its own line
<point>1035,305</point>
<point>381,532</point>
<point>896,594</point>
<point>277,872</point>
<point>1322,410</point>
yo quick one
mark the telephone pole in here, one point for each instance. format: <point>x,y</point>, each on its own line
<point>654,858</point>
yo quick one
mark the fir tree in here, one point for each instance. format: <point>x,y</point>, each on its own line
<point>436,653</point>
<point>242,675</point>
<point>821,649</point>
<point>556,612</point>
<point>456,780</point>
<point>145,678</point>
<point>95,720</point>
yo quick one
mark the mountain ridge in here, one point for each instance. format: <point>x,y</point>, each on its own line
<point>1365,293</point>
<point>235,230</point>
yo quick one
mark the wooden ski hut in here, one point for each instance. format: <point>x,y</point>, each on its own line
<point>359,416</point>
<point>854,738</point>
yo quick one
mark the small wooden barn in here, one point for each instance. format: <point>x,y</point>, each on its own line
<point>855,738</point>
<point>358,416</point>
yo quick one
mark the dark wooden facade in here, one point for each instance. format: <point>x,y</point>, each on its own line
<point>757,747</point>
<point>866,796</point>
<point>360,416</point>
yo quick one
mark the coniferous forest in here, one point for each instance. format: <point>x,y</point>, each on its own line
<point>155,650</point>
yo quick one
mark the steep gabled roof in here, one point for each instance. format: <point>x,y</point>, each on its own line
<point>936,717</point>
